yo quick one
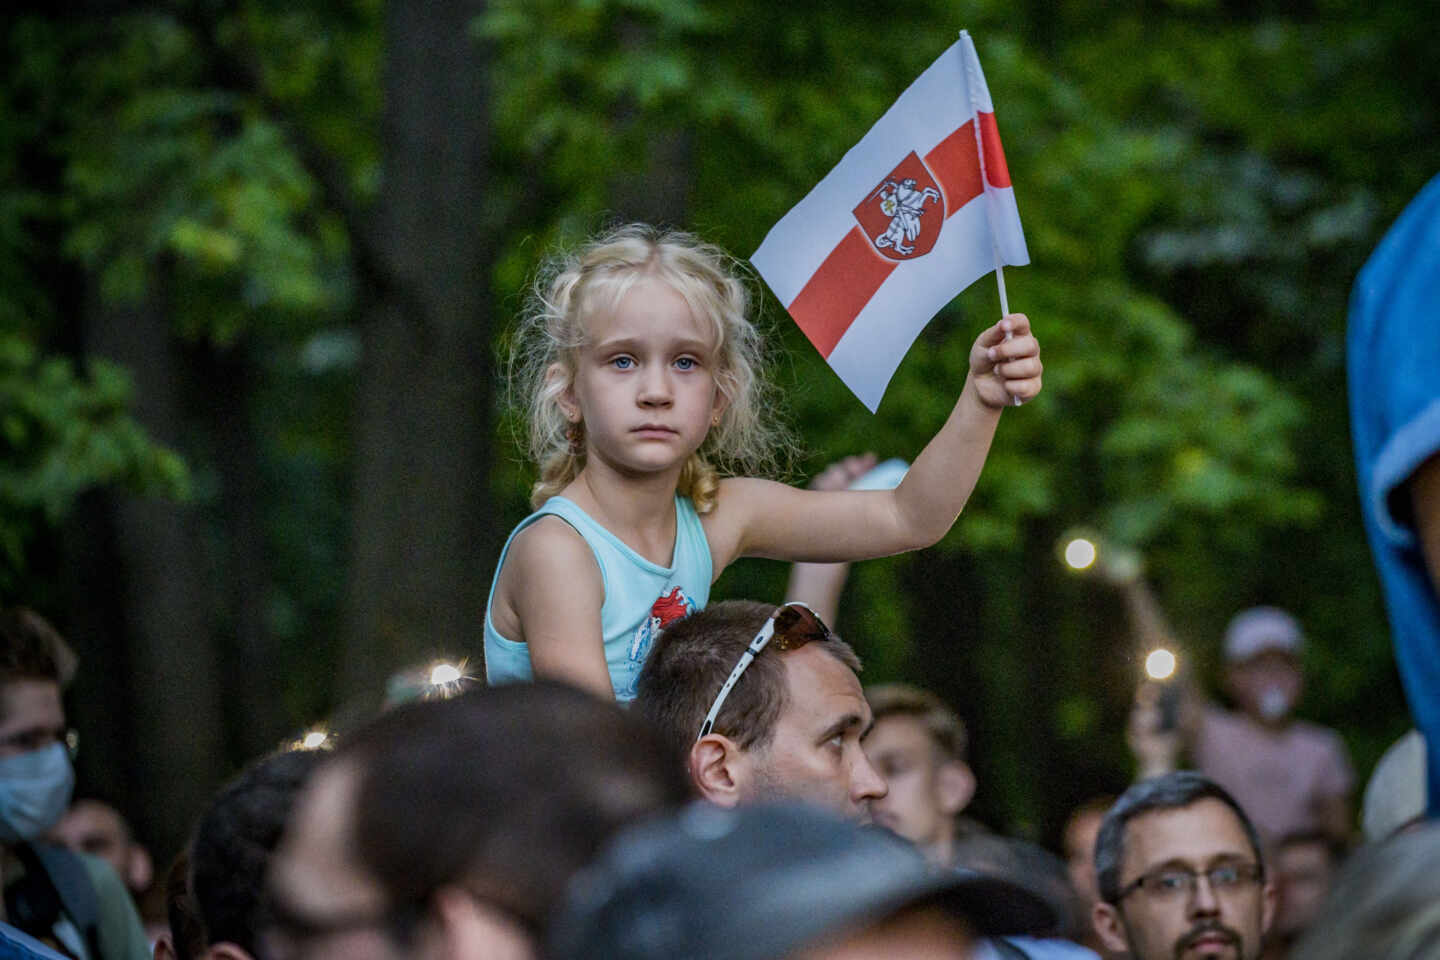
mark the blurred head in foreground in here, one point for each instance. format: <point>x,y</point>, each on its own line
<point>918,745</point>
<point>790,725</point>
<point>215,898</point>
<point>449,828</point>
<point>1180,873</point>
<point>765,882</point>
<point>1385,904</point>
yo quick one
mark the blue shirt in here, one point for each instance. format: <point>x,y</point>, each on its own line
<point>1393,357</point>
<point>641,597</point>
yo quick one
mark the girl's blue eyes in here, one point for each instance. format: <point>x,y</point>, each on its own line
<point>627,363</point>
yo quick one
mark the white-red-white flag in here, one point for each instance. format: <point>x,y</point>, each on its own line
<point>914,213</point>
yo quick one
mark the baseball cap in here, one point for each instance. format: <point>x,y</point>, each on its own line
<point>1396,795</point>
<point>1259,629</point>
<point>756,882</point>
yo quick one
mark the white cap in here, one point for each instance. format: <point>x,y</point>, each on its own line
<point>1260,629</point>
<point>1396,794</point>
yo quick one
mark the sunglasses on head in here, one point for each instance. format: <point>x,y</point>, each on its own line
<point>789,627</point>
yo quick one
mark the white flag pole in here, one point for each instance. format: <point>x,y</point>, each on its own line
<point>972,83</point>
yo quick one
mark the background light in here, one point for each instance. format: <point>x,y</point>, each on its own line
<point>314,740</point>
<point>1160,664</point>
<point>443,673</point>
<point>1080,553</point>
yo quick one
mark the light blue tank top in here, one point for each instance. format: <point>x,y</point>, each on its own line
<point>641,598</point>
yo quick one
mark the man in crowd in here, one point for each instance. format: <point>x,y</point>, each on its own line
<point>1305,865</point>
<point>917,744</point>
<point>1180,873</point>
<point>94,827</point>
<point>765,882</point>
<point>70,901</point>
<point>448,829</point>
<point>1392,353</point>
<point>216,912</point>
<point>761,703</point>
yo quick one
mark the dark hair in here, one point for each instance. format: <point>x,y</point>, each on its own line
<point>1030,866</point>
<point>234,841</point>
<point>1173,791</point>
<point>944,725</point>
<point>504,791</point>
<point>690,662</point>
<point>187,930</point>
<point>32,649</point>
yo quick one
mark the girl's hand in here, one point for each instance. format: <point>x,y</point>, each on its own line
<point>1003,370</point>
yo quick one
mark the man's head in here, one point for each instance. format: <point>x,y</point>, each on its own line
<point>1180,873</point>
<point>230,854</point>
<point>449,828</point>
<point>94,827</point>
<point>792,723</point>
<point>1262,663</point>
<point>1081,829</point>
<point>765,882</point>
<point>1304,865</point>
<point>918,744</point>
<point>36,779</point>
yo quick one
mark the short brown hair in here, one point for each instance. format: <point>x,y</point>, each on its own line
<point>32,649</point>
<point>690,662</point>
<point>944,725</point>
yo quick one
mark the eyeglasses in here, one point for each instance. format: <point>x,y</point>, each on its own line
<point>791,626</point>
<point>38,738</point>
<point>289,934</point>
<point>1178,883</point>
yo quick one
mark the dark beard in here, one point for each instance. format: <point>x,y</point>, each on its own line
<point>1207,929</point>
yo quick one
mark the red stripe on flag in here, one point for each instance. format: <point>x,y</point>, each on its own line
<point>995,170</point>
<point>839,290</point>
<point>956,164</point>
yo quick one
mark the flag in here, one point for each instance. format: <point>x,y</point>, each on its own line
<point>914,213</point>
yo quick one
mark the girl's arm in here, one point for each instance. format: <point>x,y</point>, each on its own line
<point>761,518</point>
<point>553,585</point>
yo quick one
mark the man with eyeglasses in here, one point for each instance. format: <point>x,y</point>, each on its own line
<point>1180,873</point>
<point>762,703</point>
<point>70,901</point>
<point>448,829</point>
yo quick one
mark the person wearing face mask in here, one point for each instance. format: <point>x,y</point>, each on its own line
<point>72,902</point>
<point>1291,776</point>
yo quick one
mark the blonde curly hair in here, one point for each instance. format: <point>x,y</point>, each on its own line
<point>572,286</point>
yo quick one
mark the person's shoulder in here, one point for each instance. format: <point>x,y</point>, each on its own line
<point>550,541</point>
<point>16,944</point>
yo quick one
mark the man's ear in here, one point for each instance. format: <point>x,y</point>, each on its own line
<point>471,927</point>
<point>956,785</point>
<point>1267,907</point>
<point>1110,927</point>
<point>224,950</point>
<point>719,769</point>
<point>139,868</point>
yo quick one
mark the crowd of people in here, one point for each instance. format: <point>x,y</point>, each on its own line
<point>647,774</point>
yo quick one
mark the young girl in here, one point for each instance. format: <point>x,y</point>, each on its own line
<point>642,373</point>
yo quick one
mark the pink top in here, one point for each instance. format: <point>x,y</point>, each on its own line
<point>1279,777</point>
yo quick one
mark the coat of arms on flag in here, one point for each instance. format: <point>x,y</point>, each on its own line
<point>894,215</point>
<point>914,213</point>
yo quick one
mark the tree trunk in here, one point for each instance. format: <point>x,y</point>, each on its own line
<point>423,539</point>
<point>172,677</point>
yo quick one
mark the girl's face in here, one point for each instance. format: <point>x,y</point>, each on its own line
<point>644,383</point>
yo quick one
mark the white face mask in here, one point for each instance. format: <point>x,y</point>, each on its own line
<point>35,790</point>
<point>1274,703</point>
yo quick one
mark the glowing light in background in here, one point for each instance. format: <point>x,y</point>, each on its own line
<point>1160,664</point>
<point>1080,553</point>
<point>443,673</point>
<point>314,740</point>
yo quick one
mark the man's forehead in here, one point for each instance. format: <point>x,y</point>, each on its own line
<point>1196,834</point>
<point>898,731</point>
<point>31,701</point>
<point>821,688</point>
<point>314,865</point>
